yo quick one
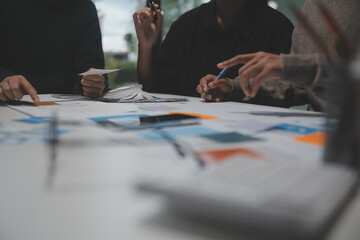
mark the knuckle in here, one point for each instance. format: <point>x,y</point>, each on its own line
<point>7,79</point>
<point>14,82</point>
<point>15,89</point>
<point>6,88</point>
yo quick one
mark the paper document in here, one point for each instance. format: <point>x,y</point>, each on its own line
<point>134,93</point>
<point>75,110</point>
<point>98,71</point>
<point>251,126</point>
<point>127,94</point>
<point>55,98</point>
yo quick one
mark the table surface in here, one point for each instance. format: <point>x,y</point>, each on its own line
<point>92,193</point>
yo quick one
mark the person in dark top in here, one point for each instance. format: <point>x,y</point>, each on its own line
<point>201,38</point>
<point>303,75</point>
<point>45,44</point>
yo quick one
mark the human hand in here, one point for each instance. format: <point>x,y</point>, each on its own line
<point>219,88</point>
<point>257,68</point>
<point>93,85</point>
<point>14,87</point>
<point>147,29</point>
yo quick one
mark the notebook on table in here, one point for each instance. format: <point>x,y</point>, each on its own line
<point>280,200</point>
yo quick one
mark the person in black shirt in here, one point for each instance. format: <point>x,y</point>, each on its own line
<point>45,44</point>
<point>203,37</point>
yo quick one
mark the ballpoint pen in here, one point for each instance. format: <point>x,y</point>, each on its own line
<point>181,151</point>
<point>221,75</point>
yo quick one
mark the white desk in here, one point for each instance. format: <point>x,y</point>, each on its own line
<point>92,194</point>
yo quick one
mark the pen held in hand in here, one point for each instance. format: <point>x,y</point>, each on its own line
<point>220,76</point>
<point>153,9</point>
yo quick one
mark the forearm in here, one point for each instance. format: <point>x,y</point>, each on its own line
<point>236,93</point>
<point>144,64</point>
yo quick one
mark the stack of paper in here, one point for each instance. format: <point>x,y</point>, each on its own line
<point>133,92</point>
<point>128,94</point>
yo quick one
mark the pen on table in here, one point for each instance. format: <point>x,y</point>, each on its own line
<point>172,141</point>
<point>193,154</point>
<point>221,75</point>
<point>53,141</point>
<point>179,148</point>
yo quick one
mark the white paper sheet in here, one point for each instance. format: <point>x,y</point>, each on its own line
<point>55,97</point>
<point>99,71</point>
<point>77,109</point>
<point>251,126</point>
<point>127,94</point>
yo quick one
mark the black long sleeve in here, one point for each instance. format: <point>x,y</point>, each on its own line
<point>49,46</point>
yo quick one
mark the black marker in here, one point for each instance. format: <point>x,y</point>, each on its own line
<point>153,9</point>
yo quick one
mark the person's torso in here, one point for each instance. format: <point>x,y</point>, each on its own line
<point>206,44</point>
<point>39,43</point>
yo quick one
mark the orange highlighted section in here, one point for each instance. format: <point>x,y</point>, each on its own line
<point>46,103</point>
<point>202,116</point>
<point>222,155</point>
<point>317,139</point>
